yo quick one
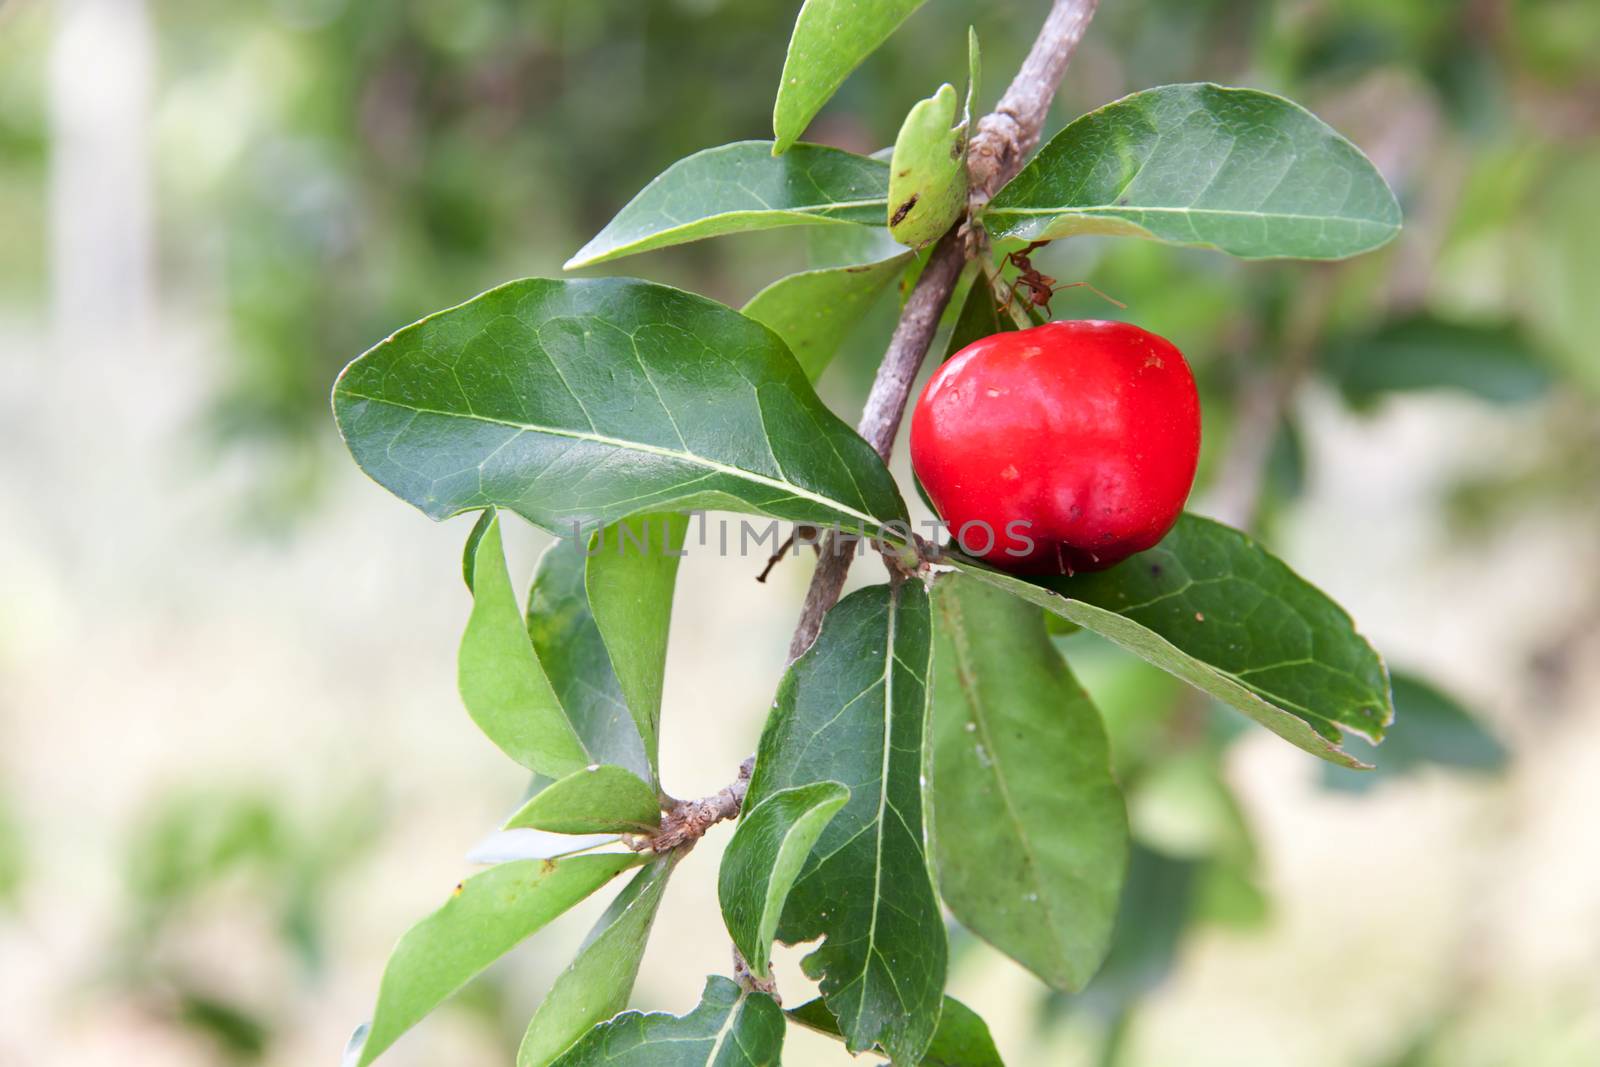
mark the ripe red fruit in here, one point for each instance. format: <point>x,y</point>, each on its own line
<point>1063,448</point>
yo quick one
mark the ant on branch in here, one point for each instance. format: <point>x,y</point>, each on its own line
<point>1034,288</point>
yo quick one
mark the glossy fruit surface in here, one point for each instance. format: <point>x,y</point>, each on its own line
<point>1067,447</point>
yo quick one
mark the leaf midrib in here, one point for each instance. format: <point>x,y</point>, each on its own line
<point>636,446</point>
<point>1113,209</point>
<point>969,689</point>
<point>727,1028</point>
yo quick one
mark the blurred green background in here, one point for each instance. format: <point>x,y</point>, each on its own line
<point>233,767</point>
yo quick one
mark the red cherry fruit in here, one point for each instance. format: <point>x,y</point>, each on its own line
<point>1067,447</point>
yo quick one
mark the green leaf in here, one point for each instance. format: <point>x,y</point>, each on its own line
<point>928,171</point>
<point>1210,606</point>
<point>489,914</point>
<point>1430,729</point>
<point>583,402</point>
<point>1241,171</point>
<point>630,578</point>
<point>815,310</point>
<point>962,1039</point>
<point>974,71</point>
<point>1030,833</point>
<point>830,39</point>
<point>1493,361</point>
<point>598,982</point>
<point>853,709</point>
<point>596,800</point>
<point>979,318</point>
<point>573,653</point>
<point>764,858</point>
<point>731,1027</point>
<point>739,187</point>
<point>502,682</point>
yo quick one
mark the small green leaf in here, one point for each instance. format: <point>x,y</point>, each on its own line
<point>962,1039</point>
<point>502,682</point>
<point>1030,832</point>
<point>630,578</point>
<point>1210,606</point>
<point>731,1027</point>
<point>1430,729</point>
<point>854,709</point>
<point>596,800</point>
<point>1238,170</point>
<point>764,858</point>
<point>597,983</point>
<point>1493,361</point>
<point>979,318</point>
<point>830,39</point>
<point>489,914</point>
<point>736,188</point>
<point>928,171</point>
<point>579,403</point>
<point>573,653</point>
<point>815,310</point>
<point>969,112</point>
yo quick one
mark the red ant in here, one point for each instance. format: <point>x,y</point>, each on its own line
<point>1039,288</point>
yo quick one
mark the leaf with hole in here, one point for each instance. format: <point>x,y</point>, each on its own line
<point>928,170</point>
<point>1030,833</point>
<point>740,187</point>
<point>731,1027</point>
<point>853,709</point>
<point>1212,607</point>
<point>764,858</point>
<point>489,914</point>
<point>830,39</point>
<point>598,982</point>
<point>578,403</point>
<point>1237,170</point>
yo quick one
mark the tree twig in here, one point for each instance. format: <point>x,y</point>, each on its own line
<point>1002,142</point>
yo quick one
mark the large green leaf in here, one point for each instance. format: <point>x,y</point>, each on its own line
<point>573,654</point>
<point>489,914</point>
<point>630,578</point>
<point>583,402</point>
<point>1430,728</point>
<point>740,187</point>
<point>928,171</point>
<point>1241,171</point>
<point>962,1039</point>
<point>1030,832</point>
<point>815,310</point>
<point>597,983</point>
<point>853,709</point>
<point>830,39</point>
<point>502,682</point>
<point>731,1027</point>
<point>1212,607</point>
<point>598,799</point>
<point>1489,360</point>
<point>764,858</point>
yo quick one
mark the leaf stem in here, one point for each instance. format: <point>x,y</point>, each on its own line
<point>1004,138</point>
